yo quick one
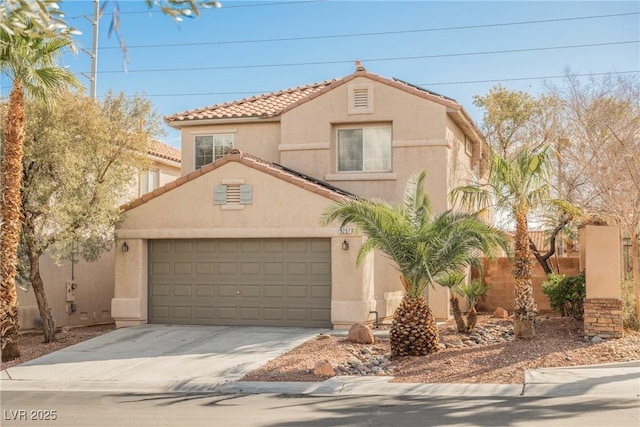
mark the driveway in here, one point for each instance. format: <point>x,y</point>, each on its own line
<point>157,358</point>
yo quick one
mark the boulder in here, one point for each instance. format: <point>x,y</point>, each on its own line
<point>501,313</point>
<point>323,368</point>
<point>361,334</point>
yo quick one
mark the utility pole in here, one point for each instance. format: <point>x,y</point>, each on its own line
<point>93,77</point>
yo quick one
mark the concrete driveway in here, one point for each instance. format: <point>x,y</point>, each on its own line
<point>157,358</point>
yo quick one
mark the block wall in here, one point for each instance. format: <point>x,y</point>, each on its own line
<point>498,276</point>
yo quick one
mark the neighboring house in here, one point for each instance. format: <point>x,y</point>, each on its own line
<point>91,301</point>
<point>238,240</point>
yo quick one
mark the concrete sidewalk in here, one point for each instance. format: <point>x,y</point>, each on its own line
<point>170,358</point>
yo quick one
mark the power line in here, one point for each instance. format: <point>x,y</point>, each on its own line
<point>400,58</point>
<point>377,33</point>
<point>511,79</point>
<point>459,82</point>
<point>238,6</point>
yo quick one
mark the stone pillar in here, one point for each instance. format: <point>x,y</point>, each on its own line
<point>603,268</point>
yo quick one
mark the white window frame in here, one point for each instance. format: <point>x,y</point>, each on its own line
<point>215,137</point>
<point>364,160</point>
<point>145,181</point>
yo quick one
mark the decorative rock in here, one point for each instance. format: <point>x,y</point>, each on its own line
<point>501,313</point>
<point>323,369</point>
<point>323,337</point>
<point>596,340</point>
<point>361,334</point>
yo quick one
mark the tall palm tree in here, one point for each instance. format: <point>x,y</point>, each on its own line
<point>31,64</point>
<point>423,246</point>
<point>515,186</point>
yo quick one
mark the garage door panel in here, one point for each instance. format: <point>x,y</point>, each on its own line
<point>181,312</point>
<point>274,246</point>
<point>274,291</point>
<point>297,268</point>
<point>205,290</point>
<point>183,246</point>
<point>227,313</point>
<point>161,290</point>
<point>205,268</point>
<point>205,247</point>
<point>203,314</point>
<point>182,290</point>
<point>161,268</point>
<point>271,282</point>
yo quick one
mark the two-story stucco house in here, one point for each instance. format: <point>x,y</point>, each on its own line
<point>238,240</point>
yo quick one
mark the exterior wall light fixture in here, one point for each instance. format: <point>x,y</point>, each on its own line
<point>345,245</point>
<point>125,247</point>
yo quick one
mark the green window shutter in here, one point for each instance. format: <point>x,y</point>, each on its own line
<point>220,195</point>
<point>246,194</point>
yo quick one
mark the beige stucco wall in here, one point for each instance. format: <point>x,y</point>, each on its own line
<point>257,137</point>
<point>279,209</point>
<point>602,248</point>
<point>93,294</point>
<point>309,134</point>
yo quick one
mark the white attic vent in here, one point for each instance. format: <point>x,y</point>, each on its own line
<point>360,98</point>
<point>233,194</point>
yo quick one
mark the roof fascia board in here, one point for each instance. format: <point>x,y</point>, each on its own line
<point>178,124</point>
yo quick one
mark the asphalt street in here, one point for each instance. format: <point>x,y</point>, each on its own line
<point>89,409</point>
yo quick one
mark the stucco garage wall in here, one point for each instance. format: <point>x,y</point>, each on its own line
<point>279,209</point>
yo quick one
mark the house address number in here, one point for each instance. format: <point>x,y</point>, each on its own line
<point>346,230</point>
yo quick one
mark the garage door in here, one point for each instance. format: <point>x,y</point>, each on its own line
<point>267,282</point>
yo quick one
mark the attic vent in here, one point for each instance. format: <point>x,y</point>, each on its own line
<point>360,98</point>
<point>233,194</point>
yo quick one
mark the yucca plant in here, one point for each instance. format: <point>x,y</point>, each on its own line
<point>423,246</point>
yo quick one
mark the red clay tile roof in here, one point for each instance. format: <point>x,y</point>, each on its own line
<point>276,103</point>
<point>236,155</point>
<point>164,151</point>
<point>266,105</point>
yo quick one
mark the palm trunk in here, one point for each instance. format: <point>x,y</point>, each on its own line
<point>414,331</point>
<point>524,305</point>
<point>457,314</point>
<point>472,319</point>
<point>10,210</point>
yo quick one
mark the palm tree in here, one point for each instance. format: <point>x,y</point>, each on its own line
<point>31,64</point>
<point>515,186</point>
<point>423,247</point>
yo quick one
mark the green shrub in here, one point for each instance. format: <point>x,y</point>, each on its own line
<point>566,294</point>
<point>629,315</point>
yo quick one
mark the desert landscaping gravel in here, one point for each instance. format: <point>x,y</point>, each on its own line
<point>558,342</point>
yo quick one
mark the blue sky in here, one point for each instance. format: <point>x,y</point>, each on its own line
<point>448,47</point>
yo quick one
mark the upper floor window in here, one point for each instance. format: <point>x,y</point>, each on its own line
<point>149,181</point>
<point>364,149</point>
<point>210,148</point>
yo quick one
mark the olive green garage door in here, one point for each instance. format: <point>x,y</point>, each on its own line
<point>266,282</point>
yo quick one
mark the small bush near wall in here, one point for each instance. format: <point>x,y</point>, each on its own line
<point>566,294</point>
<point>629,315</point>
